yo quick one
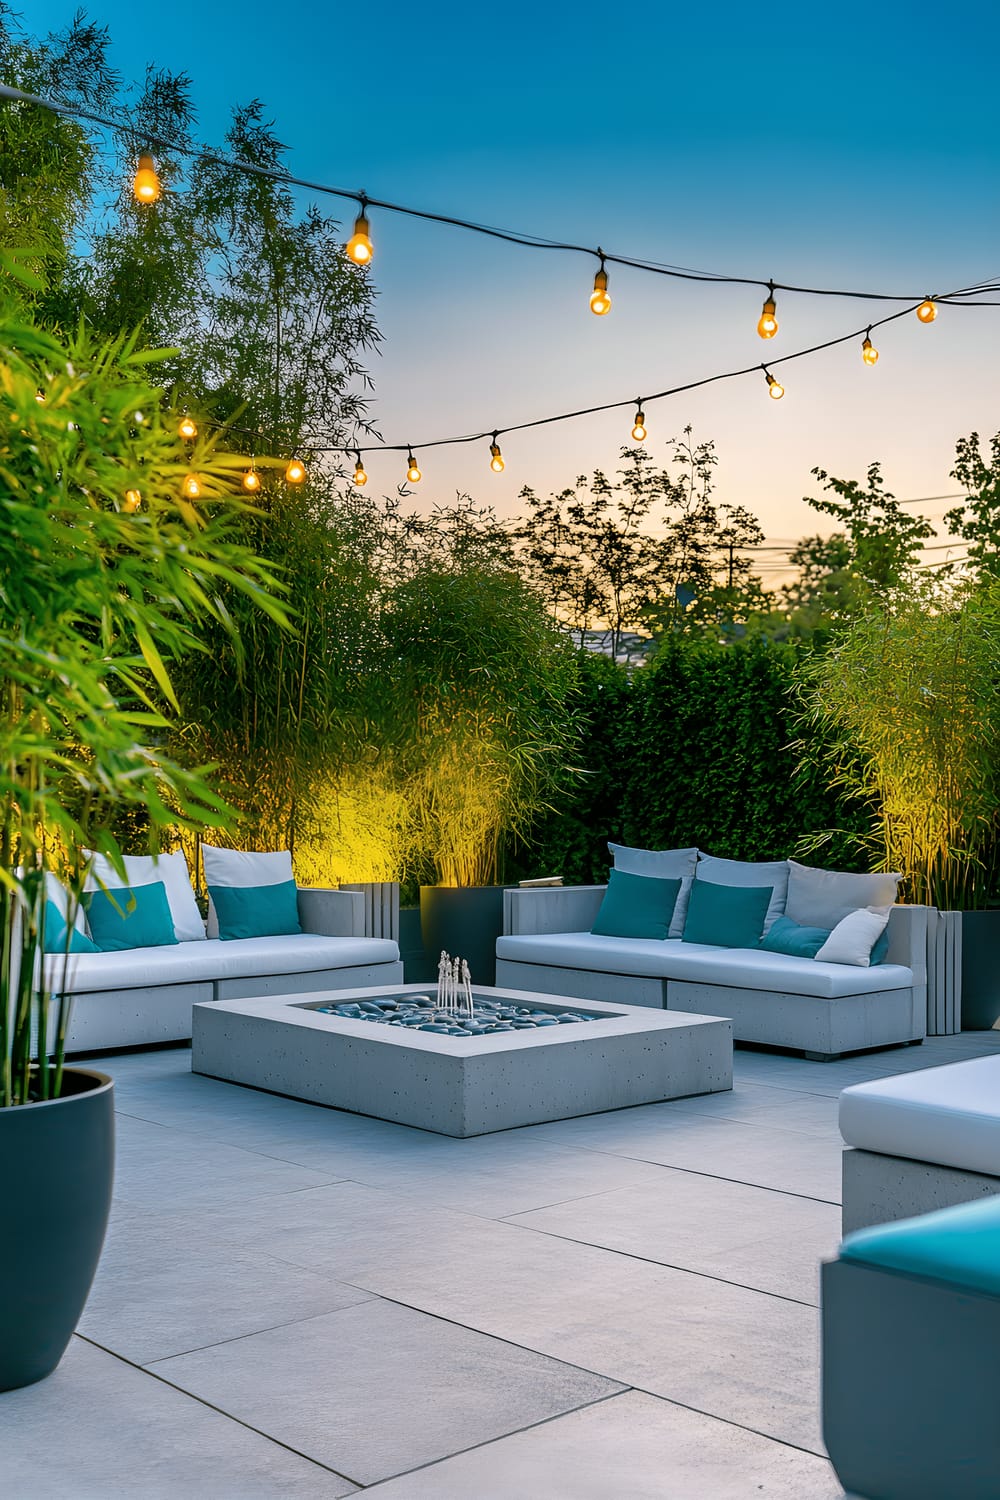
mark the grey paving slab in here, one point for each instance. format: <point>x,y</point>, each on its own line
<point>631,1447</point>
<point>809,1114</point>
<point>158,1168</point>
<point>100,1429</point>
<point>757,1238</point>
<point>384,1388</point>
<point>161,1290</point>
<point>786,1160</point>
<point>727,1350</point>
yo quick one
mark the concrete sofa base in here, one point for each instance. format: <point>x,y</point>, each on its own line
<point>103,1020</point>
<point>879,1189</point>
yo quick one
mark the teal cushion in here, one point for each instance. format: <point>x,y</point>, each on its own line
<point>792,938</point>
<point>248,911</point>
<point>135,916</point>
<point>55,934</point>
<point>880,952</point>
<point>727,916</point>
<point>958,1245</point>
<point>636,906</point>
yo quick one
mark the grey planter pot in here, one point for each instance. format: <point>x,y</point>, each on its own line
<point>465,921</point>
<point>980,970</point>
<point>56,1175</point>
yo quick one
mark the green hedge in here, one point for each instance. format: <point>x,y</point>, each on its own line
<point>699,748</point>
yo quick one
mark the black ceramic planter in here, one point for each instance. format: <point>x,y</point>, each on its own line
<point>980,970</point>
<point>464,920</point>
<point>56,1174</point>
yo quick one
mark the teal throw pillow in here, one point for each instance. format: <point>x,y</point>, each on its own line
<point>880,952</point>
<point>636,906</point>
<point>792,938</point>
<point>55,934</point>
<point>726,916</point>
<point>135,916</point>
<point>249,911</point>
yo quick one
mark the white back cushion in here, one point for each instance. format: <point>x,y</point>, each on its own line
<point>144,869</point>
<point>822,898</point>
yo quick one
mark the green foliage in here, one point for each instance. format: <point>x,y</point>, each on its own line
<point>700,749</point>
<point>97,604</point>
<point>883,538</point>
<point>478,690</point>
<point>907,705</point>
<point>638,553</point>
<point>977,521</point>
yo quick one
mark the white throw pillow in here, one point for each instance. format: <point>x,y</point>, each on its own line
<point>744,872</point>
<point>146,869</point>
<point>854,937</point>
<point>822,898</point>
<point>242,868</point>
<point>661,864</point>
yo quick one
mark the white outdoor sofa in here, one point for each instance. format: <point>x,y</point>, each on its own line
<point>821,1009</point>
<point>920,1141</point>
<point>144,995</point>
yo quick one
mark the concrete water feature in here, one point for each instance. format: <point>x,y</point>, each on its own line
<point>304,1046</point>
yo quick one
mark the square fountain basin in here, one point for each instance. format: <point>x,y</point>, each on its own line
<point>625,1055</point>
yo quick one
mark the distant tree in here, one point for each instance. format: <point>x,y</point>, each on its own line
<point>640,553</point>
<point>977,520</point>
<point>883,538</point>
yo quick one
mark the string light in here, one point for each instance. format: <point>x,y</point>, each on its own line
<point>192,487</point>
<point>639,430</point>
<point>296,471</point>
<point>359,246</point>
<point>412,472</point>
<point>927,311</point>
<point>767,325</point>
<point>133,499</point>
<point>146,184</point>
<point>496,457</point>
<point>251,481</point>
<point>600,302</point>
<point>187,428</point>
<point>360,477</point>
<point>774,387</point>
<point>868,351</point>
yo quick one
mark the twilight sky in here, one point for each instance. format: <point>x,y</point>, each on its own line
<point>854,146</point>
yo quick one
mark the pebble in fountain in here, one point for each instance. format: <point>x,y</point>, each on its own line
<point>454,1011</point>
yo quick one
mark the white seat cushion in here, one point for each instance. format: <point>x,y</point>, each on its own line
<point>948,1115</point>
<point>242,958</point>
<point>743,968</point>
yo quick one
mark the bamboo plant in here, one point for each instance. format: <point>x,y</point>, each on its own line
<point>908,699</point>
<point>109,561</point>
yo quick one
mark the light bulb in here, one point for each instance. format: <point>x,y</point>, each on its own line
<point>133,499</point>
<point>927,311</point>
<point>412,472</point>
<point>639,430</point>
<point>774,388</point>
<point>359,246</point>
<point>360,477</point>
<point>600,302</point>
<point>496,458</point>
<point>192,487</point>
<point>767,327</point>
<point>296,471</point>
<point>869,353</point>
<point>187,429</point>
<point>145,183</point>
<point>251,481</point>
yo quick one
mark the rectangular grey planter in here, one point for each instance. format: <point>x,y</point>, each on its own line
<point>456,1086</point>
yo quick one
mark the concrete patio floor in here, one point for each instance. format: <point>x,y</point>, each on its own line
<point>295,1302</point>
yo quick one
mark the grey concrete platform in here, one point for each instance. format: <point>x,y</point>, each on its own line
<point>299,1302</point>
<point>624,1055</point>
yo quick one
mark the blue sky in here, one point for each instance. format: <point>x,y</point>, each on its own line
<point>852,146</point>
